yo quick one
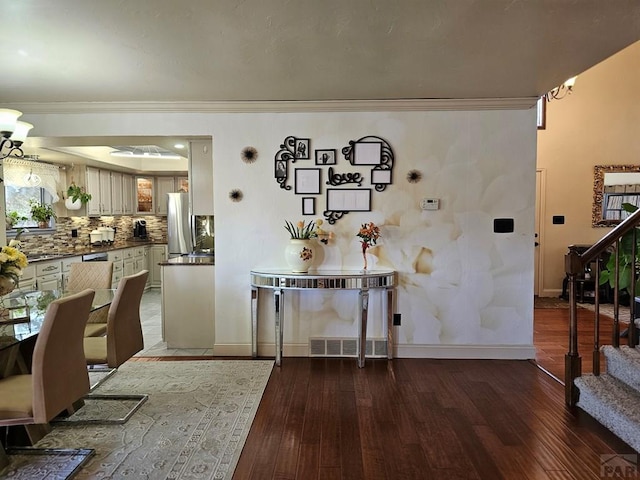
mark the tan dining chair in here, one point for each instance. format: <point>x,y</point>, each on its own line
<point>95,275</point>
<point>58,377</point>
<point>123,340</point>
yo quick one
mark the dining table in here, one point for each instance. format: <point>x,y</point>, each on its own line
<point>21,317</point>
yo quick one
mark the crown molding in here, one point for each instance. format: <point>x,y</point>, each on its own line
<point>418,105</point>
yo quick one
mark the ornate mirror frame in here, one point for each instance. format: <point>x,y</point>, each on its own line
<point>598,191</point>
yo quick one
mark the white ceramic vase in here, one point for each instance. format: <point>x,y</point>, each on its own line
<point>299,255</point>
<point>71,205</point>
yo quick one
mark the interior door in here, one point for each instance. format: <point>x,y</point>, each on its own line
<point>538,274</point>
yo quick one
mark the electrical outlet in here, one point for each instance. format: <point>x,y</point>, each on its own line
<point>74,232</point>
<point>396,319</point>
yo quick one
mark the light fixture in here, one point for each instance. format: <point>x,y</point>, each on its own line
<point>12,133</point>
<point>561,91</point>
<point>144,151</point>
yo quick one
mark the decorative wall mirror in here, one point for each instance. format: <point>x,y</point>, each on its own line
<point>614,185</point>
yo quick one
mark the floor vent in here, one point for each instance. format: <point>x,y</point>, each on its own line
<point>346,347</point>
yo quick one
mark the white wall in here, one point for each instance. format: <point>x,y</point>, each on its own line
<point>463,290</point>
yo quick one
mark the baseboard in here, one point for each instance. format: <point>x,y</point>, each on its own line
<point>485,352</point>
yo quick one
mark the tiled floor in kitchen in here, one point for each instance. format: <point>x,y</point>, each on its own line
<point>151,318</point>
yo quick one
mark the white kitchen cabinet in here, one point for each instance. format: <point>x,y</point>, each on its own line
<point>164,185</point>
<point>49,275</point>
<point>27,281</point>
<point>93,187</point>
<point>144,188</point>
<point>66,268</point>
<point>157,254</point>
<point>129,263</point>
<point>127,194</point>
<point>105,192</point>
<point>201,177</point>
<point>116,194</point>
<point>116,256</point>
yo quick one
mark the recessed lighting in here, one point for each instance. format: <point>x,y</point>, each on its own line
<point>178,145</point>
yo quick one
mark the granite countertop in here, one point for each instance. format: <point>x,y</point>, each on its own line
<point>46,256</point>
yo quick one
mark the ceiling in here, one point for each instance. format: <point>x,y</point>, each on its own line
<point>278,50</point>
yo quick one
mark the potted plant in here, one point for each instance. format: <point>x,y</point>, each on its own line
<point>42,213</point>
<point>76,197</point>
<point>14,217</point>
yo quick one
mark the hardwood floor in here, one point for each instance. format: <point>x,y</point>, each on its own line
<point>426,419</point>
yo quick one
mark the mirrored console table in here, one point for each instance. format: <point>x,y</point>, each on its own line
<point>279,280</point>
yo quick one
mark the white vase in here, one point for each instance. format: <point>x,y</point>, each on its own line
<point>71,205</point>
<point>299,255</point>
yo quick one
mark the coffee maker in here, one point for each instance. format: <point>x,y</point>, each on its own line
<point>140,229</point>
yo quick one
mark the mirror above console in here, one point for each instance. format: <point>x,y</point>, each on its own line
<point>614,185</point>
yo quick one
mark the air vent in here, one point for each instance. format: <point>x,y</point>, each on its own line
<point>346,347</point>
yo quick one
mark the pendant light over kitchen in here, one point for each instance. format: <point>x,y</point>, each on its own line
<point>12,133</point>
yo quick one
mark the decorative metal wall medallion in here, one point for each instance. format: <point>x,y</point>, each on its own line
<point>249,155</point>
<point>236,195</point>
<point>414,176</point>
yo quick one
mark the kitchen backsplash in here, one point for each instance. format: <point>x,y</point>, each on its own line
<point>62,241</point>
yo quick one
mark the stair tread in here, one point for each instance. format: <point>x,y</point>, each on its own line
<point>612,391</point>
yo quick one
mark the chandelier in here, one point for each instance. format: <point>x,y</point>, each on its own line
<point>561,91</point>
<point>12,133</point>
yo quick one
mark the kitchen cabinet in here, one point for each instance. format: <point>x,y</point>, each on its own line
<point>145,197</point>
<point>129,265</point>
<point>157,254</point>
<point>116,193</point>
<point>49,275</point>
<point>117,257</point>
<point>66,268</point>
<point>127,194</point>
<point>99,186</point>
<point>28,279</point>
<point>182,184</point>
<point>105,192</point>
<point>164,185</point>
<point>201,176</point>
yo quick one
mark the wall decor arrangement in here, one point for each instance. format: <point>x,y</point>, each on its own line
<point>371,153</point>
<point>249,154</point>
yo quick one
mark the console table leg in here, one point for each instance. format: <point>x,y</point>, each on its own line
<point>364,308</point>
<point>390,307</point>
<point>278,297</point>
<point>254,322</point>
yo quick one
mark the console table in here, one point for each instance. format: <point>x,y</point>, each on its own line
<point>279,279</point>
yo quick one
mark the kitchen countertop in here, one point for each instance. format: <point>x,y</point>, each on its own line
<point>46,256</point>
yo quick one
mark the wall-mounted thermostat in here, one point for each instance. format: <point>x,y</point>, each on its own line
<point>430,203</point>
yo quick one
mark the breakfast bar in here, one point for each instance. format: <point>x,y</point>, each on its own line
<point>280,280</point>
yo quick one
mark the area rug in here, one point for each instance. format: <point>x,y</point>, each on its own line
<point>606,309</point>
<point>193,426</point>
<point>549,302</point>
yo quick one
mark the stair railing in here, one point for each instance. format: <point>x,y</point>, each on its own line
<point>575,264</point>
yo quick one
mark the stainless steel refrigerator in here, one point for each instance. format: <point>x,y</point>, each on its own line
<point>187,234</point>
<point>179,236</point>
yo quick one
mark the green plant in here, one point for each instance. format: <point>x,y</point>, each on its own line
<point>75,193</point>
<point>302,230</point>
<point>13,218</point>
<point>41,212</point>
<point>626,260</point>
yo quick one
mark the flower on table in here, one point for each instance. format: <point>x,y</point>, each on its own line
<point>369,234</point>
<point>12,262</point>
<point>302,230</point>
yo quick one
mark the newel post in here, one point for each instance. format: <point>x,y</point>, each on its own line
<point>572,361</point>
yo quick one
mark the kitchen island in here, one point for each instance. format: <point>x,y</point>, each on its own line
<point>188,302</point>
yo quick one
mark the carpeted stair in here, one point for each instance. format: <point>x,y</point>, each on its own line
<point>613,398</point>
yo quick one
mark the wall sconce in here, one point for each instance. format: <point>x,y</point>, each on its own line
<point>561,91</point>
<point>12,133</point>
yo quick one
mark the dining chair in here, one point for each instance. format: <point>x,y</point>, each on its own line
<point>58,377</point>
<point>123,339</point>
<point>95,275</point>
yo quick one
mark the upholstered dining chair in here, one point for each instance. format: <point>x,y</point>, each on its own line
<point>123,340</point>
<point>96,275</point>
<point>58,377</point>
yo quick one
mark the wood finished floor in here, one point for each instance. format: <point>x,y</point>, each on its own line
<point>327,419</point>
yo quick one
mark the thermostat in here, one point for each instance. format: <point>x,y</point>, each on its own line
<point>430,203</point>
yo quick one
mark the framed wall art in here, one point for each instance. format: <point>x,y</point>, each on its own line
<point>308,206</point>
<point>326,157</point>
<point>307,181</point>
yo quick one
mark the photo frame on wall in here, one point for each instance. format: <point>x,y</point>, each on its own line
<point>308,206</point>
<point>326,157</point>
<point>349,199</point>
<point>380,177</point>
<point>302,149</point>
<point>308,181</point>
<point>367,153</point>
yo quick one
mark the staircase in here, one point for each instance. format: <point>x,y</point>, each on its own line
<point>612,398</point>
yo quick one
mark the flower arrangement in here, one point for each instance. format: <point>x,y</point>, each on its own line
<point>302,230</point>
<point>12,262</point>
<point>369,234</point>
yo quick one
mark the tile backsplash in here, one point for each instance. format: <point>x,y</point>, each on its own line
<point>62,241</point>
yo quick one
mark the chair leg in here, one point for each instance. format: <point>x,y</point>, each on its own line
<point>141,399</point>
<point>110,372</point>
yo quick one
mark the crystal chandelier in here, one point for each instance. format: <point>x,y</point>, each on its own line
<point>12,133</point>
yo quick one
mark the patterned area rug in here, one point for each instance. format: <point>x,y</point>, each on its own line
<point>193,426</point>
<point>549,302</point>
